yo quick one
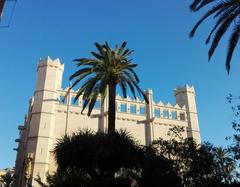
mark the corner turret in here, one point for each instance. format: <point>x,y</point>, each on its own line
<point>185,96</point>
<point>42,123</point>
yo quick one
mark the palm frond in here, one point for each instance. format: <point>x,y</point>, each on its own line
<point>222,16</point>
<point>134,74</point>
<point>141,93</point>
<point>124,88</point>
<point>83,88</point>
<point>232,44</point>
<point>198,4</point>
<point>220,32</point>
<point>97,56</point>
<point>226,13</point>
<point>122,48</point>
<point>129,76</point>
<point>92,102</point>
<point>86,61</point>
<point>132,89</point>
<point>99,47</point>
<point>80,72</point>
<point>213,10</point>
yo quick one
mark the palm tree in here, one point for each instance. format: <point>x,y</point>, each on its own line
<point>86,158</point>
<point>98,159</point>
<point>225,165</point>
<point>226,13</point>
<point>107,69</point>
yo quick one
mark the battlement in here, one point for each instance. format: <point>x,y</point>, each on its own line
<point>51,63</point>
<point>130,106</point>
<point>184,89</point>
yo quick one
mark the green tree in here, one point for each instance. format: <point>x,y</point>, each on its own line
<point>197,165</point>
<point>193,163</point>
<point>234,147</point>
<point>226,13</point>
<point>94,159</point>
<point>116,159</point>
<point>157,170</point>
<point>107,69</point>
<point>225,165</point>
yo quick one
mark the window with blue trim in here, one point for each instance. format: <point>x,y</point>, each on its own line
<point>97,105</point>
<point>157,113</point>
<point>142,110</point>
<point>165,114</point>
<point>133,109</point>
<point>174,115</point>
<point>123,107</point>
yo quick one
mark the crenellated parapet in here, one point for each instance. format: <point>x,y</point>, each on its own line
<point>51,63</point>
<point>130,106</point>
<point>153,115</point>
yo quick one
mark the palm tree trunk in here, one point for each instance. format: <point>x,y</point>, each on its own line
<point>111,107</point>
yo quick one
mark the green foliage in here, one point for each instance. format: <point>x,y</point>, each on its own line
<point>235,139</point>
<point>198,4</point>
<point>197,165</point>
<point>157,170</point>
<point>96,159</point>
<point>116,159</point>
<point>226,13</point>
<point>225,165</point>
<point>99,156</point>
<point>193,163</point>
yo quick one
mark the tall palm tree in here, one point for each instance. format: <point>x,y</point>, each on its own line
<point>227,16</point>
<point>102,73</point>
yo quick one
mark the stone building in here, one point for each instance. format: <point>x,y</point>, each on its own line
<point>48,119</point>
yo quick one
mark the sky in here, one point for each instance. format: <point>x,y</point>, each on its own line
<point>156,30</point>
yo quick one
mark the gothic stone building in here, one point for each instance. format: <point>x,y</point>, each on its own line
<point>48,119</point>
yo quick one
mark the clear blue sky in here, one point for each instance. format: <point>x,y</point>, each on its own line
<point>156,30</point>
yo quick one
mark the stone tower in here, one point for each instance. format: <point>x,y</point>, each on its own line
<point>41,125</point>
<point>186,96</point>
